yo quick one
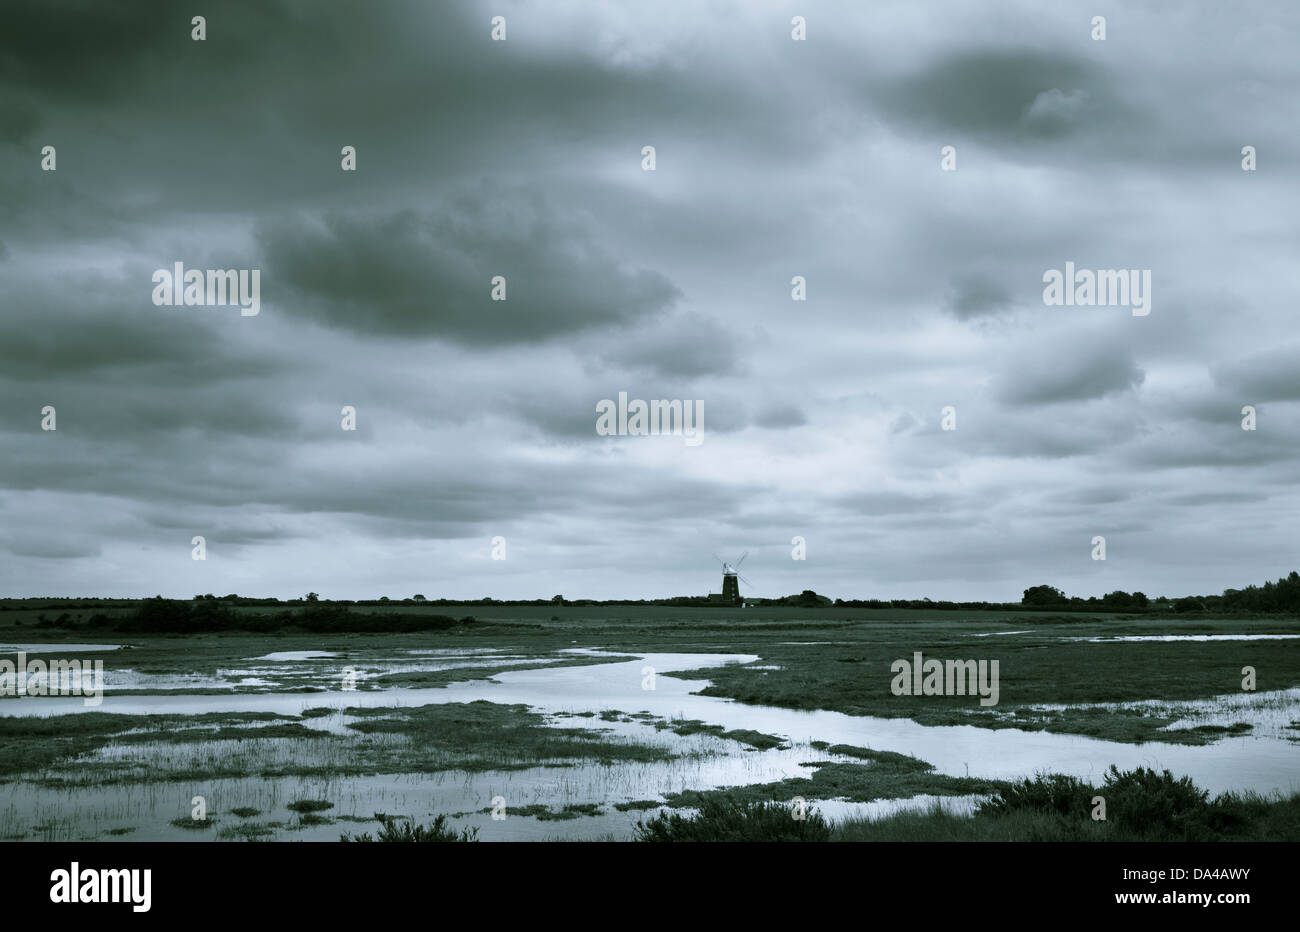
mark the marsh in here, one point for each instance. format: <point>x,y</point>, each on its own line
<point>532,725</point>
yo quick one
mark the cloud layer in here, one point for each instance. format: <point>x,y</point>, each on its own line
<point>824,418</point>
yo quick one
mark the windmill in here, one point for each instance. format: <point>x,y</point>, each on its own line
<point>730,577</point>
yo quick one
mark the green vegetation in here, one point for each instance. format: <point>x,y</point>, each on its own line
<point>308,819</point>
<point>474,736</point>
<point>428,679</point>
<point>310,805</point>
<point>886,775</point>
<point>570,811</point>
<point>249,831</point>
<point>35,743</point>
<point>1281,596</point>
<point>1041,667</point>
<point>728,819</point>
<point>477,736</point>
<point>205,615</point>
<point>677,726</point>
<point>402,830</point>
<point>1141,805</point>
<point>813,656</point>
<point>1118,601</point>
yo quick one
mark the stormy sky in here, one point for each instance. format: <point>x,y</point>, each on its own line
<point>522,158</point>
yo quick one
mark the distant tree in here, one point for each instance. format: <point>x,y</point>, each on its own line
<point>557,600</point>
<point>1188,604</point>
<point>1042,595</point>
<point>1140,600</point>
<point>313,597</point>
<point>418,597</point>
<point>383,598</point>
<point>1280,596</point>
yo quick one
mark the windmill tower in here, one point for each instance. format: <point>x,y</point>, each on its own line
<point>731,579</point>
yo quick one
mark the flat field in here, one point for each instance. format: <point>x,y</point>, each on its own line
<point>539,722</point>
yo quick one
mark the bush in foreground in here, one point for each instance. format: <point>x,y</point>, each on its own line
<point>725,819</point>
<point>404,830</point>
<point>1141,805</point>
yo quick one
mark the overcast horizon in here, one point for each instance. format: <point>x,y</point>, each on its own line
<point>774,158</point>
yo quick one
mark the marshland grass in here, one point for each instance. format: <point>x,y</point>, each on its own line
<point>1141,806</point>
<point>402,830</point>
<point>849,674</point>
<point>836,659</point>
<point>883,775</point>
<point>33,744</point>
<point>727,819</point>
<point>469,737</point>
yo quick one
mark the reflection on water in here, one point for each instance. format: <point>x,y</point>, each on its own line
<point>282,655</point>
<point>1184,637</point>
<point>1265,763</point>
<point>302,670</point>
<point>57,648</point>
<point>60,815</point>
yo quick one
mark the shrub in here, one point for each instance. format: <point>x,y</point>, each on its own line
<point>1140,803</point>
<point>1044,793</point>
<point>310,805</point>
<point>1156,805</point>
<point>403,830</point>
<point>725,819</point>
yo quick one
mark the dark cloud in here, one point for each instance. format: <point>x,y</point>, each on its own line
<point>1270,375</point>
<point>976,295</point>
<point>18,121</point>
<point>431,274</point>
<point>1004,95</point>
<point>522,159</point>
<point>1079,373</point>
<point>68,546</point>
<point>1095,495</point>
<point>1198,499</point>
<point>687,345</point>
